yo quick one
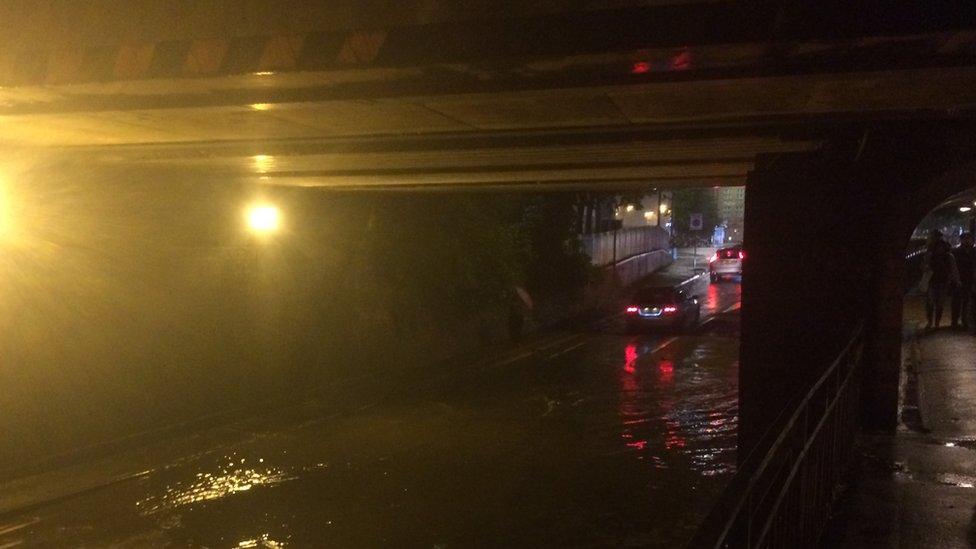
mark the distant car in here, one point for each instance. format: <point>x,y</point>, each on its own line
<point>663,308</point>
<point>726,262</point>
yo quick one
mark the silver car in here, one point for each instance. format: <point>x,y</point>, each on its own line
<point>726,262</point>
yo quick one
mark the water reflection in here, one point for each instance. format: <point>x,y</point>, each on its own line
<point>229,477</point>
<point>264,540</point>
<point>679,414</point>
<point>630,357</point>
<point>666,369</point>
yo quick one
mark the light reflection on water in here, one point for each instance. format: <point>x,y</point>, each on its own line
<point>230,476</point>
<point>264,540</point>
<point>209,486</point>
<point>665,414</point>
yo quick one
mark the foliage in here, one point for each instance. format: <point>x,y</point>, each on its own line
<point>456,253</point>
<point>556,263</point>
<point>697,200</point>
<point>449,252</point>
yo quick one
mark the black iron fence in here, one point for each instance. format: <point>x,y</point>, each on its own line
<point>782,497</point>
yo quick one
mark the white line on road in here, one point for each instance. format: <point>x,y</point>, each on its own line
<point>667,342</point>
<point>6,529</point>
<point>734,306</point>
<point>512,359</point>
<point>558,341</point>
<point>564,351</point>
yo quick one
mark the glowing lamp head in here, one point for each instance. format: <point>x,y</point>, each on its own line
<point>6,214</point>
<point>263,218</point>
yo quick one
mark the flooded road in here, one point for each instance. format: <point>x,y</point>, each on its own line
<point>601,439</point>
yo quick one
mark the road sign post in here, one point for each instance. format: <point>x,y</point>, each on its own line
<point>695,224</point>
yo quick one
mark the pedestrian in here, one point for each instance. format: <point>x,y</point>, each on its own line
<point>940,274</point>
<point>962,294</point>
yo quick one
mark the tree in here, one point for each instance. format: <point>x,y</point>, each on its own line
<point>697,200</point>
<point>555,263</point>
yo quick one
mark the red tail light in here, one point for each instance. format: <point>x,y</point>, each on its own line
<point>668,309</point>
<point>742,254</point>
<point>633,309</point>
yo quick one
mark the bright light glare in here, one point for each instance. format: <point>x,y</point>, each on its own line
<point>630,207</point>
<point>4,214</point>
<point>664,208</point>
<point>263,218</point>
<point>261,106</point>
<point>263,162</point>
<point>965,209</point>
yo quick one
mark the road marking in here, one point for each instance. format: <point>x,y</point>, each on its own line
<point>558,341</point>
<point>667,342</point>
<point>4,529</point>
<point>564,351</point>
<point>736,305</point>
<point>510,360</point>
<point>534,350</point>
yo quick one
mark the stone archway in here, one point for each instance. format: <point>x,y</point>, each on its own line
<point>906,209</point>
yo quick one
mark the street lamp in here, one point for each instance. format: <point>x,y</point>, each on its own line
<point>263,218</point>
<point>6,213</point>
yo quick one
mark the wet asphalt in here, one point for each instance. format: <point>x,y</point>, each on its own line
<point>599,438</point>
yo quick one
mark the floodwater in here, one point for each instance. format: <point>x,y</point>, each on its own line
<point>597,439</point>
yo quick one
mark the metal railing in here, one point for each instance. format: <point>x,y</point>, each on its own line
<point>782,497</point>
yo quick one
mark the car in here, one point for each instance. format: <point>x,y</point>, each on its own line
<point>726,262</point>
<point>662,307</point>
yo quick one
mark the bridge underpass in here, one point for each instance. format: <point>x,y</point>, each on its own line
<point>844,137</point>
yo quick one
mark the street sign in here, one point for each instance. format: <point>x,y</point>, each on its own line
<point>696,223</point>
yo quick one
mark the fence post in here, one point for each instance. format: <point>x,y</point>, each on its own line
<point>614,261</point>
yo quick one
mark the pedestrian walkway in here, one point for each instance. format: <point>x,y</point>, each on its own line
<point>691,258</point>
<point>688,262</point>
<point>917,488</point>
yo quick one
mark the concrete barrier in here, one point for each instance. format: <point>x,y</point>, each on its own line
<point>612,247</point>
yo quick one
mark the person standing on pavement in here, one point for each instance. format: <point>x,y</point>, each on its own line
<point>940,273</point>
<point>962,295</point>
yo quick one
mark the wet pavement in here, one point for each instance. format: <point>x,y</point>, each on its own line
<point>594,438</point>
<point>917,488</point>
